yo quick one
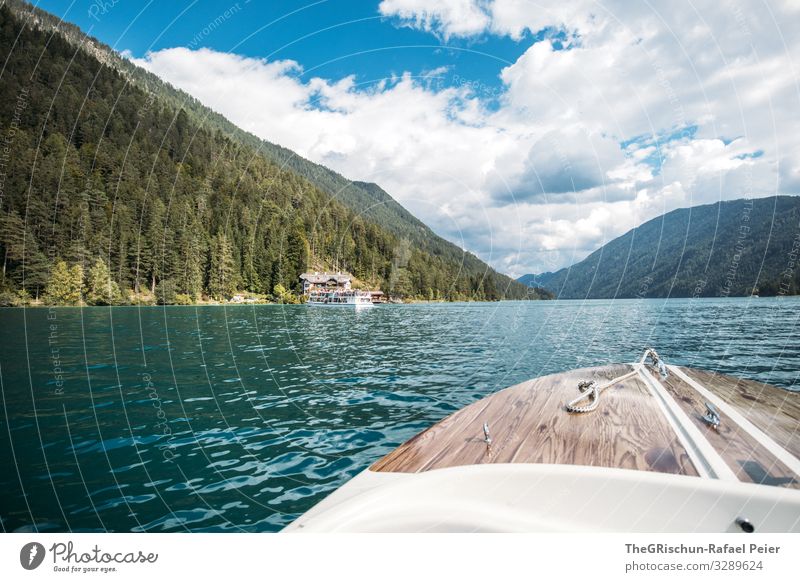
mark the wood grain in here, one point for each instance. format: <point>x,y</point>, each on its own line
<point>750,461</point>
<point>529,424</point>
<point>774,411</point>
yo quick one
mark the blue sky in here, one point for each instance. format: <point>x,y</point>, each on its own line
<point>528,133</point>
<point>330,38</point>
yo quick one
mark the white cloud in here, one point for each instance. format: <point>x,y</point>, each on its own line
<point>449,17</point>
<point>564,163</point>
<point>558,165</point>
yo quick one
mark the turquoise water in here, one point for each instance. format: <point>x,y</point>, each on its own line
<point>241,418</point>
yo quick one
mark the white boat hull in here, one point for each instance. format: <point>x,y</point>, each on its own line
<point>548,498</point>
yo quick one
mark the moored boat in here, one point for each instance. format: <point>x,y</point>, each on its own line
<point>645,447</point>
<point>340,298</point>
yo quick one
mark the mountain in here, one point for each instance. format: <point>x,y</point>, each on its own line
<point>732,248</point>
<point>106,166</point>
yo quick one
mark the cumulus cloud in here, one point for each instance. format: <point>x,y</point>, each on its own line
<point>617,113</point>
<point>559,165</point>
<point>448,17</point>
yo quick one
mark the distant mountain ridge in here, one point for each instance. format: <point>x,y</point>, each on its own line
<point>730,248</point>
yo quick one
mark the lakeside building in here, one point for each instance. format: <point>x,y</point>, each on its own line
<point>317,281</point>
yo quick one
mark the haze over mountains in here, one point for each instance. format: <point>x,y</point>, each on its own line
<point>108,163</point>
<point>734,248</point>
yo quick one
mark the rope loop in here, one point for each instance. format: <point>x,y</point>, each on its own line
<point>588,389</point>
<point>591,390</point>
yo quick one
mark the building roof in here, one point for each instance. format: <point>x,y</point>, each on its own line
<point>317,277</point>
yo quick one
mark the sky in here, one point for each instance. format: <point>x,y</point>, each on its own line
<point>527,132</point>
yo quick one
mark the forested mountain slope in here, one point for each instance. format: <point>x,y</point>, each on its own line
<point>731,248</point>
<point>107,166</point>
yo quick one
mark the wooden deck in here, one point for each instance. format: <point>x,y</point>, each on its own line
<point>529,424</point>
<point>774,411</point>
<point>750,461</point>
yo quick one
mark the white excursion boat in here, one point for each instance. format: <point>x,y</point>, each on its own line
<point>641,447</point>
<point>340,298</point>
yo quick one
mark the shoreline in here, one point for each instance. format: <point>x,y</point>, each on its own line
<point>388,303</point>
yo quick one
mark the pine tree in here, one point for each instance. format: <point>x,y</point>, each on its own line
<point>149,246</point>
<point>222,278</point>
<point>37,268</point>
<point>295,257</point>
<point>165,292</point>
<point>66,284</point>
<point>101,289</point>
<point>193,263</point>
<point>12,237</point>
<point>23,261</point>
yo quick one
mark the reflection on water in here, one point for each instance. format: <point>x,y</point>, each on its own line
<point>241,418</point>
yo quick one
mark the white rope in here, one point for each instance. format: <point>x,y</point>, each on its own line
<point>591,389</point>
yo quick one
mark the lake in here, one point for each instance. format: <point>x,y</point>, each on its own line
<point>241,418</point>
